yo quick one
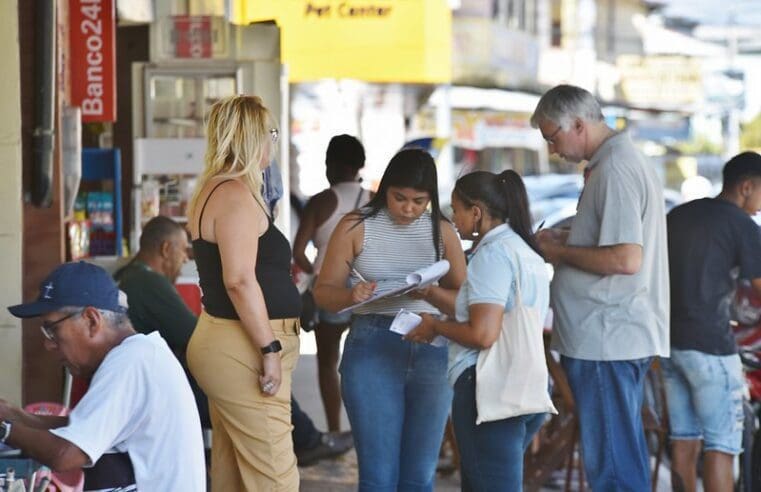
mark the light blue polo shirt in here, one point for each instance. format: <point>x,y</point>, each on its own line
<point>492,274</point>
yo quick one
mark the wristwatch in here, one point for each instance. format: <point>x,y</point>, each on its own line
<point>272,348</point>
<point>5,431</point>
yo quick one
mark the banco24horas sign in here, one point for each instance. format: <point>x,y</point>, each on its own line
<point>92,58</point>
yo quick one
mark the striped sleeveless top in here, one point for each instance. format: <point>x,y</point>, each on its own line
<point>390,251</point>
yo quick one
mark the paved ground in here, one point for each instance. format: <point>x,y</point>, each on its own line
<point>341,475</point>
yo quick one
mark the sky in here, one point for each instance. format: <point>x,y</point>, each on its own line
<point>717,12</point>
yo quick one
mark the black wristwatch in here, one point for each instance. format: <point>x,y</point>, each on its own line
<point>272,348</point>
<point>5,431</point>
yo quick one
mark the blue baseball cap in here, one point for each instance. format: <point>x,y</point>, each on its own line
<point>77,284</point>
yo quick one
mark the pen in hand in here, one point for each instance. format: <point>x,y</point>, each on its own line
<point>539,228</point>
<point>355,272</point>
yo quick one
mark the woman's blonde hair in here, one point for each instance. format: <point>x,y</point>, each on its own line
<point>238,138</point>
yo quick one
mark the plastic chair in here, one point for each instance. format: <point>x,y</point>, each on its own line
<point>47,408</point>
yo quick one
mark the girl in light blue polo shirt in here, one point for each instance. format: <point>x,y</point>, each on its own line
<point>504,267</point>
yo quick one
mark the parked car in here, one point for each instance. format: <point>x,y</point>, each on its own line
<point>554,198</point>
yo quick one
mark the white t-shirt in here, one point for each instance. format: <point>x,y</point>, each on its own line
<point>139,402</point>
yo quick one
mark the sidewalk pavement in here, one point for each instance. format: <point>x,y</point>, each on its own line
<point>340,475</point>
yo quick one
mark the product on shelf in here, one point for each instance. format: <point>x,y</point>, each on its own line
<point>166,194</point>
<point>79,238</point>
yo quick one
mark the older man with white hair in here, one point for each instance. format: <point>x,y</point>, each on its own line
<point>610,291</point>
<point>137,427</point>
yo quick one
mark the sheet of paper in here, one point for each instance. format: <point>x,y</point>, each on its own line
<point>405,321</point>
<point>426,276</point>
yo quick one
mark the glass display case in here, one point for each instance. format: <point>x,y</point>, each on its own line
<point>172,101</point>
<point>176,102</point>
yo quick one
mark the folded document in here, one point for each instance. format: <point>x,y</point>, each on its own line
<point>405,321</point>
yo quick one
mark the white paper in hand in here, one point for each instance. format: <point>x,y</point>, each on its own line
<point>405,321</point>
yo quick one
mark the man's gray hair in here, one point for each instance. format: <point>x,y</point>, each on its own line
<point>117,321</point>
<point>563,104</point>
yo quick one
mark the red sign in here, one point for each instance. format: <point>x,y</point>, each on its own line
<point>92,58</point>
<point>192,36</point>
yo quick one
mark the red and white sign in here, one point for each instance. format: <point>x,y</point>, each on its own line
<point>192,36</point>
<point>92,58</point>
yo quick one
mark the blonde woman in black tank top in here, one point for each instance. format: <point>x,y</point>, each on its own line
<point>245,345</point>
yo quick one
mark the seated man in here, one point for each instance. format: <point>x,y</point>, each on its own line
<point>138,409</point>
<point>155,305</point>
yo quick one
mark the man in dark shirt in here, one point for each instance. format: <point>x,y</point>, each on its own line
<point>148,280</point>
<point>155,305</point>
<point>711,242</point>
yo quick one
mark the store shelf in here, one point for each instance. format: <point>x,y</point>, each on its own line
<point>105,165</point>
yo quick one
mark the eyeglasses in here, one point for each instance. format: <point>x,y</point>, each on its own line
<point>275,134</point>
<point>48,329</point>
<point>551,139</point>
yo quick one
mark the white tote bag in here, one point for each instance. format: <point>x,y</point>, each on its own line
<point>511,375</point>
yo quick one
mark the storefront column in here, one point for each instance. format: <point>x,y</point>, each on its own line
<point>10,204</point>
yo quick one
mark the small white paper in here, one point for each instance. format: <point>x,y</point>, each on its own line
<point>405,321</point>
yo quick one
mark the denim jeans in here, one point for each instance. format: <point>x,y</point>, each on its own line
<point>304,433</point>
<point>491,454</point>
<point>705,399</point>
<point>608,397</point>
<point>397,399</point>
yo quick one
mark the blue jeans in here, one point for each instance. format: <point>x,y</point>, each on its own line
<point>608,397</point>
<point>397,398</point>
<point>491,454</point>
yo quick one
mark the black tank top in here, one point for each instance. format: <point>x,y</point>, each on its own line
<point>273,272</point>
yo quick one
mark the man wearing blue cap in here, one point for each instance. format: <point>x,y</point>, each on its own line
<point>138,414</point>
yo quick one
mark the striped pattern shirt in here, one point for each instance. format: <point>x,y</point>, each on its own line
<point>391,251</point>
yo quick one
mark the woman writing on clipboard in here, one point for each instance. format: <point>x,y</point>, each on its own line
<point>395,392</point>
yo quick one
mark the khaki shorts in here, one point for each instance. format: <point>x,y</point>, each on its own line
<point>252,448</point>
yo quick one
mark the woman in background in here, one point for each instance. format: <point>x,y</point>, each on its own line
<point>343,160</point>
<point>395,392</point>
<point>246,343</point>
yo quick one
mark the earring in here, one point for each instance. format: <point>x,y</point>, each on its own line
<point>475,232</point>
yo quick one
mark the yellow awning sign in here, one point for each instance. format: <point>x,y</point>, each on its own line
<point>406,41</point>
